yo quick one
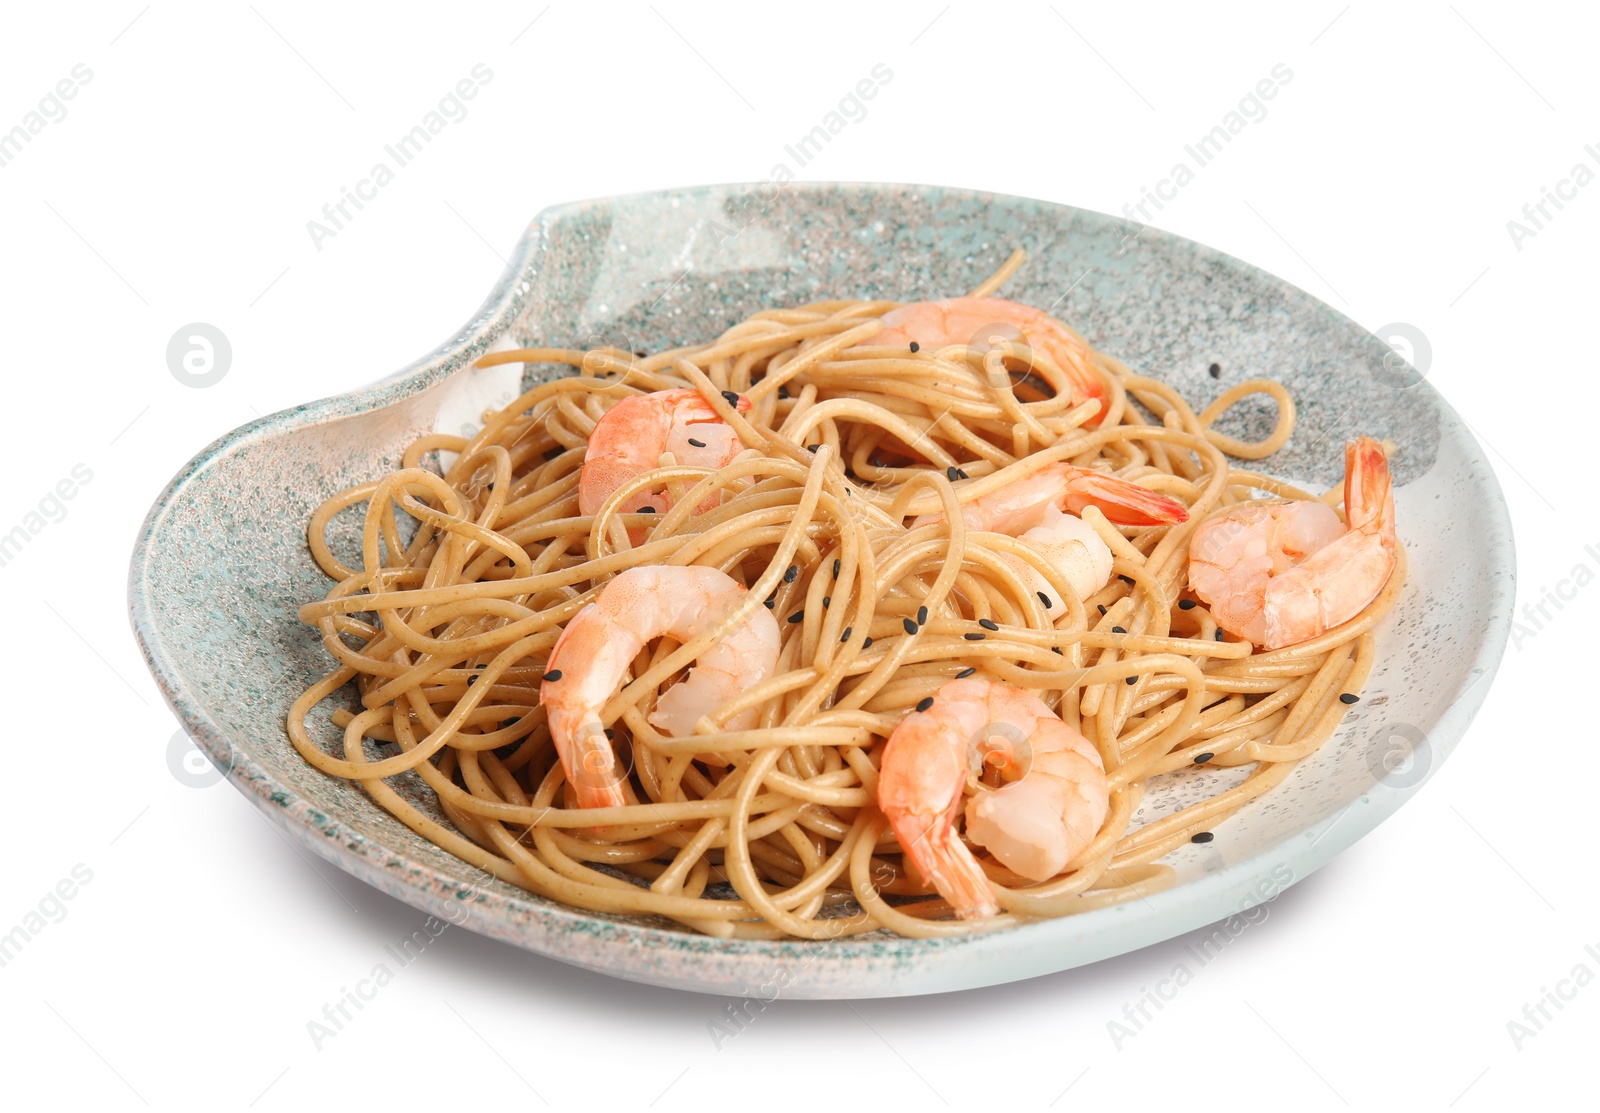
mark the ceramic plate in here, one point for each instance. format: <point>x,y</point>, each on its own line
<point>221,563</point>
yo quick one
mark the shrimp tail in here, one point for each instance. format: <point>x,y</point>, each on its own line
<point>944,862</point>
<point>1367,487</point>
<point>1123,503</point>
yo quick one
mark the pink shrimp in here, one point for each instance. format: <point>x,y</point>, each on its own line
<point>1051,807</point>
<point>1280,573</point>
<point>630,438</point>
<point>1042,510</point>
<point>978,322</point>
<point>593,654</point>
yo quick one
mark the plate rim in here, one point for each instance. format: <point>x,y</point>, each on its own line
<point>692,958</point>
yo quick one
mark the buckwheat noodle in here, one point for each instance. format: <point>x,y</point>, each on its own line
<point>773,832</point>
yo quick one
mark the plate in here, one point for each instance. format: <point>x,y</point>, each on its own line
<point>221,564</point>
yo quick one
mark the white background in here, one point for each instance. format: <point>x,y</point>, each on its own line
<point>177,189</point>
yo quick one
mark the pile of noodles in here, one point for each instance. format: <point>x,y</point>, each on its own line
<point>773,832</point>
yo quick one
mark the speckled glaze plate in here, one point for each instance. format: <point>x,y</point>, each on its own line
<point>221,563</point>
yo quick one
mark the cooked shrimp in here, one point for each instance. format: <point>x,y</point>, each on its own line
<point>630,438</point>
<point>593,654</point>
<point>1042,510</point>
<point>978,322</point>
<point>1280,573</point>
<point>1052,805</point>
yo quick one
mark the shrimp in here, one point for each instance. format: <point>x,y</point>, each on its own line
<point>1051,807</point>
<point>1282,573</point>
<point>979,322</point>
<point>592,656</point>
<point>1042,510</point>
<point>630,438</point>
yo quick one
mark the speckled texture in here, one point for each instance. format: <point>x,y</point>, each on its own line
<point>221,563</point>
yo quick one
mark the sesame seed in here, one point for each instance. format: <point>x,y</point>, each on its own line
<point>1118,630</point>
<point>950,473</point>
<point>1132,680</point>
<point>783,392</point>
<point>975,637</point>
<point>988,624</point>
<point>1201,759</point>
<point>827,601</point>
<point>1045,599</point>
<point>610,733</point>
<point>697,444</point>
<point>909,624</point>
<point>1127,580</point>
<point>1219,633</point>
<point>790,573</point>
<point>647,510</point>
<point>1203,836</point>
<point>1102,607</point>
<point>730,397</point>
<point>639,354</point>
<point>915,346</point>
<point>922,616</point>
<point>964,673</point>
<point>1348,697</point>
<point>553,675</point>
<point>1186,604</point>
<point>960,474</point>
<point>798,615</point>
<point>1056,649</point>
<point>1215,370</point>
<point>844,637</point>
<point>867,644</point>
<point>836,568</point>
<point>925,704</point>
<point>812,447</point>
<point>772,601</point>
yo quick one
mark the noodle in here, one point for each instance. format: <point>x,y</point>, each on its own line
<point>773,831</point>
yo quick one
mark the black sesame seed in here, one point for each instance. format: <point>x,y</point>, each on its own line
<point>1348,697</point>
<point>827,601</point>
<point>771,602</point>
<point>1127,580</point>
<point>697,444</point>
<point>1045,599</point>
<point>1186,604</point>
<point>783,392</point>
<point>798,615</point>
<point>844,637</point>
<point>910,624</point>
<point>1203,836</point>
<point>975,637</point>
<point>915,346</point>
<point>836,568</point>
<point>639,354</point>
<point>1102,608</point>
<point>988,624</point>
<point>1056,649</point>
<point>1215,370</point>
<point>647,510</point>
<point>960,474</point>
<point>1118,630</point>
<point>925,704</point>
<point>791,573</point>
<point>922,616</point>
<point>964,673</point>
<point>553,675</point>
<point>1132,680</point>
<point>1201,759</point>
<point>1219,634</point>
<point>812,447</point>
<point>731,398</point>
<point>867,644</point>
<point>950,473</point>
